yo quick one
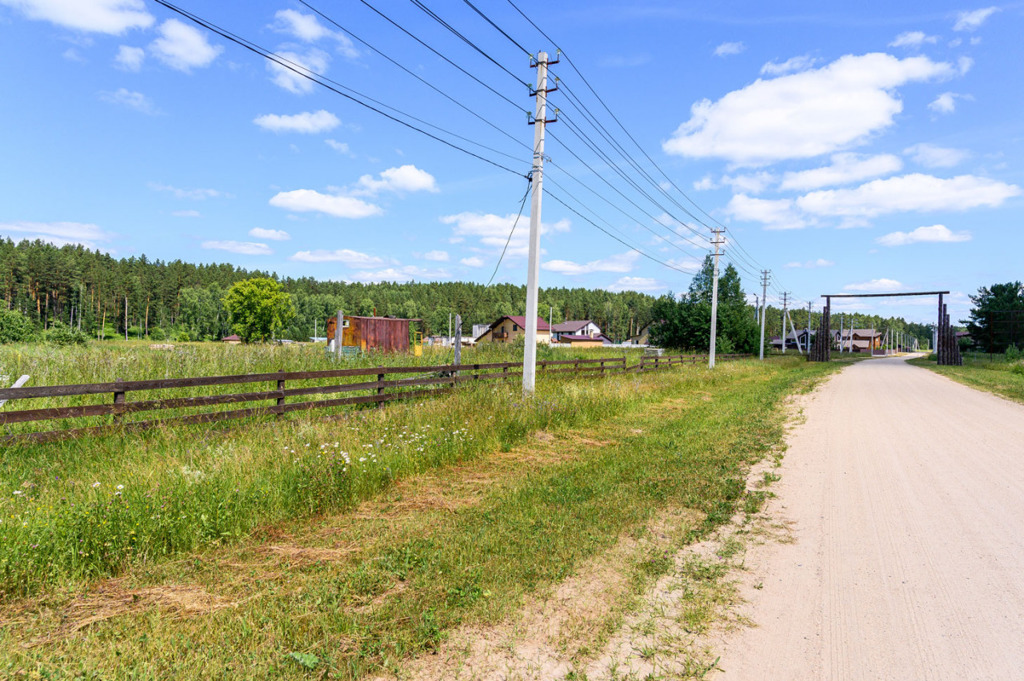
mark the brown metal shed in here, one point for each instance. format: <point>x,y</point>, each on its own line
<point>385,334</point>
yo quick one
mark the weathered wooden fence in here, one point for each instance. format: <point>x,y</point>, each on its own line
<point>382,387</point>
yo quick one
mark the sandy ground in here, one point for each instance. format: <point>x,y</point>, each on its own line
<point>905,495</point>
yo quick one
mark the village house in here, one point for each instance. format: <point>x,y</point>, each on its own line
<point>581,341</point>
<point>862,340</point>
<point>507,329</point>
<point>583,327</point>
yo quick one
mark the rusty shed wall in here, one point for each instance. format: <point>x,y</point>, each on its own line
<point>379,333</point>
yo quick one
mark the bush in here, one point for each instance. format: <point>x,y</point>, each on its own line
<point>157,334</point>
<point>1018,368</point>
<point>60,333</point>
<point>14,327</point>
<point>1013,353</point>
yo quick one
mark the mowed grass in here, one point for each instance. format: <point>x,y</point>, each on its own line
<point>995,376</point>
<point>268,550</point>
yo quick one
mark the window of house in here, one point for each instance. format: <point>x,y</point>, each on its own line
<point>515,327</point>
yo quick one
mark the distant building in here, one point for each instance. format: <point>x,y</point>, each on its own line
<point>581,341</point>
<point>385,334</point>
<point>507,329</point>
<point>233,339</point>
<point>583,327</point>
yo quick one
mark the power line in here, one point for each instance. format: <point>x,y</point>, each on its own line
<point>496,27</point>
<point>337,88</point>
<point>522,204</point>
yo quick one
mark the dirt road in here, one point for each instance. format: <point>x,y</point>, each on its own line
<point>905,494</point>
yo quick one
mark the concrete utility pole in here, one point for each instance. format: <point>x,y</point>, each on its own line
<point>451,338</point>
<point>785,300</point>
<point>457,348</point>
<point>808,326</point>
<point>840,333</point>
<point>338,331</point>
<point>716,242</point>
<point>757,307</point>
<point>126,317</point>
<point>533,268</point>
<point>765,274</point>
<point>795,336</point>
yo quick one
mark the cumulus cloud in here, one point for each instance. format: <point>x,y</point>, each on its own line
<point>705,183</point>
<point>342,255</point>
<point>932,156</point>
<point>754,183</point>
<point>340,147</point>
<point>914,192</point>
<point>803,115</point>
<point>306,123</point>
<point>945,103</point>
<point>791,65</point>
<point>132,100</point>
<point>436,256</point>
<point>307,28</point>
<point>913,39</point>
<point>312,201</point>
<point>57,233</point>
<point>99,16</point>
<point>845,168</point>
<point>774,213</point>
<point>933,234</point>
<point>186,214</point>
<point>729,49</point>
<point>313,61</point>
<point>875,286</point>
<point>640,284</point>
<point>493,230</point>
<point>239,247</point>
<point>622,262</point>
<point>183,47</point>
<point>194,194</point>
<point>400,274</point>
<point>270,234</point>
<point>473,261</point>
<point>970,21</point>
<point>810,264</point>
<point>129,58</point>
<point>407,178</point>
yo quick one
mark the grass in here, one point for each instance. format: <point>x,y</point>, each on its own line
<point>991,375</point>
<point>344,546</point>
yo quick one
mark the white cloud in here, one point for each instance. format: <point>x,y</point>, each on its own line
<point>754,183</point>
<point>641,284</point>
<point>805,114</point>
<point>436,256</point>
<point>846,167</point>
<point>271,234</point>
<point>970,21</point>
<point>239,247</point>
<point>340,147</point>
<point>932,156</point>
<point>306,123</point>
<point>473,261</point>
<point>129,58</point>
<point>186,214</point>
<point>101,16</point>
<point>933,234</point>
<point>791,65</point>
<point>729,49</point>
<point>493,230</point>
<point>132,100</point>
<point>913,39</point>
<point>307,28</point>
<point>314,61</point>
<point>194,194</point>
<point>309,200</point>
<point>875,286</point>
<point>810,264</point>
<point>914,192</point>
<point>407,178</point>
<point>944,103</point>
<point>774,213</point>
<point>705,183</point>
<point>343,255</point>
<point>57,233</point>
<point>622,262</point>
<point>400,274</point>
<point>183,47</point>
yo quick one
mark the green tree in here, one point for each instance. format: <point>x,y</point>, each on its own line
<point>14,327</point>
<point>997,316</point>
<point>257,308</point>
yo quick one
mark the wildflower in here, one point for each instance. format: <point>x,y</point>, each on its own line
<point>120,486</point>
<point>18,492</point>
<point>95,485</point>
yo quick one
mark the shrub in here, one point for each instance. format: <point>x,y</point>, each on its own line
<point>14,327</point>
<point>1013,353</point>
<point>61,334</point>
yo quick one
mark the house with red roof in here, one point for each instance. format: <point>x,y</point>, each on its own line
<point>507,329</point>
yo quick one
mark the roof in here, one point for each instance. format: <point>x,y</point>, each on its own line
<point>570,327</point>
<point>519,321</point>
<point>571,337</point>
<point>232,337</point>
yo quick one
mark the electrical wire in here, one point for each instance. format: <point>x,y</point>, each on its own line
<point>522,204</point>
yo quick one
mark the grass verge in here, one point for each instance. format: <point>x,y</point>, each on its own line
<point>994,376</point>
<point>462,535</point>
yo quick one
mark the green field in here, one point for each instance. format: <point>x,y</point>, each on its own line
<point>356,539</point>
<point>994,375</point>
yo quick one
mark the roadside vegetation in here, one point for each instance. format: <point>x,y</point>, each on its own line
<point>1000,374</point>
<point>342,546</point>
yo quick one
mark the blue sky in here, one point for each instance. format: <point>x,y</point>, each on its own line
<point>858,147</point>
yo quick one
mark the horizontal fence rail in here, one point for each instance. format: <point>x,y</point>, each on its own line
<point>380,388</point>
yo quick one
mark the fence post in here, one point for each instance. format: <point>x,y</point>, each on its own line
<point>280,399</point>
<point>380,388</point>
<point>602,368</point>
<point>118,399</point>
<point>476,372</point>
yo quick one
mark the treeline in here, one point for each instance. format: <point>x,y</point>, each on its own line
<point>105,296</point>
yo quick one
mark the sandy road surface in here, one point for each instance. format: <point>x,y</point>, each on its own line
<point>905,492</point>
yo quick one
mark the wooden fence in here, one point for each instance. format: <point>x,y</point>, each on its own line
<point>380,389</point>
